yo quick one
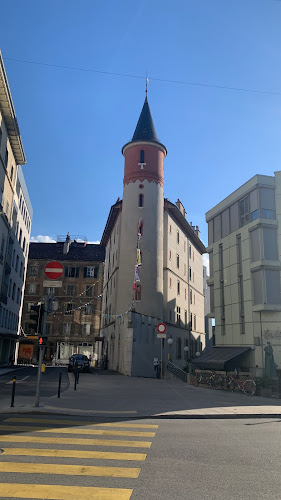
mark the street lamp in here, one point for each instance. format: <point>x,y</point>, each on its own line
<point>170,342</point>
<point>197,354</point>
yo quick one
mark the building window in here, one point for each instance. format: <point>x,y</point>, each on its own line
<point>190,273</point>
<point>66,328</point>
<point>141,200</point>
<point>20,236</point>
<point>18,296</point>
<point>185,317</point>
<point>91,272</point>
<point>185,293</point>
<point>32,288</point>
<point>170,229</point>
<point>178,348</point>
<point>10,288</point>
<point>194,322</point>
<point>138,291</point>
<point>244,211</point>
<point>178,261</point>
<point>178,316</point>
<point>190,296</point>
<point>178,237</point>
<point>68,308</point>
<point>86,328</point>
<point>170,255</point>
<point>89,291</point>
<point>88,310</point>
<point>17,264</point>
<point>6,158</point>
<point>71,272</point>
<point>33,270</point>
<point>70,290</point>
<point>12,173</point>
<point>190,251</point>
<point>14,291</point>
<point>142,156</point>
<point>178,287</point>
<point>170,282</point>
<point>21,269</point>
<point>170,315</point>
<point>23,245</point>
<point>191,321</point>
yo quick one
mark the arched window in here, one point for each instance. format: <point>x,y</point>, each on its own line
<point>141,200</point>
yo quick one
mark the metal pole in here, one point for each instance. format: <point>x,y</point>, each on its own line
<point>161,376</point>
<point>42,349</point>
<point>75,381</point>
<point>59,385</point>
<point>13,391</point>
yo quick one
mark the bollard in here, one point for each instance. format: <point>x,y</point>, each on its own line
<point>59,385</point>
<point>13,391</point>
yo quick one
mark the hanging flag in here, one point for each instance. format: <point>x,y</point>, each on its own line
<point>134,286</point>
<point>139,257</point>
<point>137,278</point>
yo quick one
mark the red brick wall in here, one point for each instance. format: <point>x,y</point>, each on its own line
<point>152,171</point>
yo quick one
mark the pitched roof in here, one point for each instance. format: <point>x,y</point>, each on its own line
<point>77,252</point>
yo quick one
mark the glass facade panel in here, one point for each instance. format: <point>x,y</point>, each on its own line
<point>270,244</point>
<point>217,227</point>
<point>256,245</point>
<point>258,288</point>
<point>234,217</point>
<point>210,232</point>
<point>225,223</point>
<point>272,281</point>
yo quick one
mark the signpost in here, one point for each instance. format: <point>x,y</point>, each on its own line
<point>161,328</point>
<point>54,270</point>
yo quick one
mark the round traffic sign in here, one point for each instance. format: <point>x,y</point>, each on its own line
<point>161,328</point>
<point>53,270</point>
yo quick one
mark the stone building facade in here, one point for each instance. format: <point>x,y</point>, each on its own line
<point>153,265</point>
<point>75,326</point>
<point>245,260</point>
<point>15,223</point>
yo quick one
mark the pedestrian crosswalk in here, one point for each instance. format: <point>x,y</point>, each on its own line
<point>62,459</point>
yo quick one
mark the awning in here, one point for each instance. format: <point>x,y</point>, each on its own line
<point>217,357</point>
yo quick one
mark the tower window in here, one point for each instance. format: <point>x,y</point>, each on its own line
<point>138,292</point>
<point>178,237</point>
<point>142,156</point>
<point>141,200</point>
<point>178,261</point>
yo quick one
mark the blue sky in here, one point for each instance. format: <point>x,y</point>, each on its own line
<point>74,123</point>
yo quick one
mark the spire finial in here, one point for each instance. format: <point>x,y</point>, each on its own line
<point>146,82</point>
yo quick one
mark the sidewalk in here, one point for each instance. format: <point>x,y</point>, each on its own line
<point>117,396</point>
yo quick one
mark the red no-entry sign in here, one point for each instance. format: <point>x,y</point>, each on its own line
<point>54,270</point>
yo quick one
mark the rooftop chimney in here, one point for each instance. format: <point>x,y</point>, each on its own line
<point>181,208</point>
<point>66,245</point>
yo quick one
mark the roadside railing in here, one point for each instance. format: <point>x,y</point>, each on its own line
<point>175,370</point>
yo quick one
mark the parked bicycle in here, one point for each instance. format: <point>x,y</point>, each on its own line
<point>213,379</point>
<point>230,383</point>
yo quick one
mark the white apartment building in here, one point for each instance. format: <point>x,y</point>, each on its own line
<point>15,223</point>
<point>245,261</point>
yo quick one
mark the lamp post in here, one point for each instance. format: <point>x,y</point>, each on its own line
<point>170,342</point>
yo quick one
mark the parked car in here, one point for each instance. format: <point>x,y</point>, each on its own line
<point>79,361</point>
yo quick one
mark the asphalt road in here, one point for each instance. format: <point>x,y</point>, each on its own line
<point>65,458</point>
<point>27,380</point>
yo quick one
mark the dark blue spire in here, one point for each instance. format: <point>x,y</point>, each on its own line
<point>145,130</point>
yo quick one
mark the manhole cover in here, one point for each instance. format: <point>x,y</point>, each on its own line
<point>1,450</point>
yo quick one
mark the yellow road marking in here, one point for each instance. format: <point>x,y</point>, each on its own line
<point>99,432</point>
<point>47,452</point>
<point>88,442</point>
<point>69,470</point>
<point>55,492</point>
<point>74,430</point>
<point>79,422</point>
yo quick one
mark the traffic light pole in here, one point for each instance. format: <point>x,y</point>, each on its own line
<point>42,350</point>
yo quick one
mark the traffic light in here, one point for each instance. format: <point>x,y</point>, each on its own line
<point>42,341</point>
<point>36,314</point>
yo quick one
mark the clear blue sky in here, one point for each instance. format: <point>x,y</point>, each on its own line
<point>74,123</point>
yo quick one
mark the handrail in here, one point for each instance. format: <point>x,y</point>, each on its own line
<point>170,367</point>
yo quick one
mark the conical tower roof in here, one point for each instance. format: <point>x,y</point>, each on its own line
<point>145,130</point>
